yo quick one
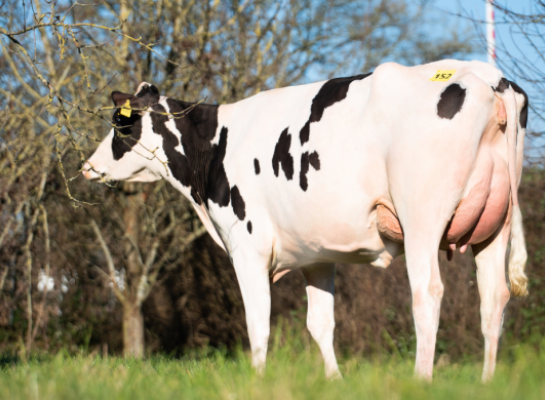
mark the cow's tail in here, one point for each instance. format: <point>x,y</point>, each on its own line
<point>518,256</point>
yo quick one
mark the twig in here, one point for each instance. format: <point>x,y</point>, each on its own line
<point>46,273</point>
<point>109,261</point>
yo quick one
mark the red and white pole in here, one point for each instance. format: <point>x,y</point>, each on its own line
<point>490,32</point>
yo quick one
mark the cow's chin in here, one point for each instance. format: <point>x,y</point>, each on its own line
<point>144,175</point>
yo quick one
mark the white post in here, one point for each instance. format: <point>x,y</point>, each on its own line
<point>490,32</point>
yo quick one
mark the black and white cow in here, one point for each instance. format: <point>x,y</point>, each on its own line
<point>351,170</point>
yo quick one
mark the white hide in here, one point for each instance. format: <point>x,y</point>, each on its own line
<point>383,142</point>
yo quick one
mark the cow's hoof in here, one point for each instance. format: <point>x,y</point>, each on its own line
<point>334,375</point>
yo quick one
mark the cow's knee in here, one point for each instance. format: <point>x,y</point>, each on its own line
<point>502,296</point>
<point>492,311</point>
<point>436,290</point>
<point>428,296</point>
<point>423,305</point>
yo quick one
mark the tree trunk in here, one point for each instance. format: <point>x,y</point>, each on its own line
<point>133,322</point>
<point>133,330</point>
<point>131,210</point>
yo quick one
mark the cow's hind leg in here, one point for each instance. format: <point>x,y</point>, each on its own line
<point>490,258</point>
<point>427,291</point>
<point>253,278</point>
<point>320,280</point>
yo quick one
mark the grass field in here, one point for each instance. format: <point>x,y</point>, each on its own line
<point>290,375</point>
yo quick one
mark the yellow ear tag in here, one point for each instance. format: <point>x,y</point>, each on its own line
<point>443,75</point>
<point>126,110</point>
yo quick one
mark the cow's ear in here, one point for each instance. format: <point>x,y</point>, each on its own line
<point>147,94</point>
<point>120,98</point>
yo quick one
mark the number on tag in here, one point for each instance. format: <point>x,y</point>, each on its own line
<point>443,75</point>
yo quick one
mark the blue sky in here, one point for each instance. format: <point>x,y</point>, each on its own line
<point>513,44</point>
<point>475,9</point>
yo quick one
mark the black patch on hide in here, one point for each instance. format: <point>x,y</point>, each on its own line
<point>282,155</point>
<point>315,161</point>
<point>238,203</point>
<point>218,184</point>
<point>256,166</point>
<point>127,133</point>
<point>148,96</point>
<point>201,168</point>
<point>249,226</point>
<point>307,160</point>
<point>330,93</point>
<point>502,85</point>
<point>524,112</point>
<point>451,101</point>
<point>303,181</point>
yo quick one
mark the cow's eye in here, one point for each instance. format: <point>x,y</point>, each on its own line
<point>117,119</point>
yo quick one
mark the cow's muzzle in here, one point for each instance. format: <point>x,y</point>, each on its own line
<point>89,173</point>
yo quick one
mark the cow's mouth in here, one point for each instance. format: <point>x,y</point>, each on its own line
<point>97,177</point>
<point>137,172</point>
<point>91,174</point>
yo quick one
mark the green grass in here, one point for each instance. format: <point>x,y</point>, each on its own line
<point>290,374</point>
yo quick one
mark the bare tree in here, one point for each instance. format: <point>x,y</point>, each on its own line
<point>161,227</point>
<point>61,59</point>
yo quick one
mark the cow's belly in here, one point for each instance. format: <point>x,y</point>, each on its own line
<point>347,236</point>
<point>350,246</point>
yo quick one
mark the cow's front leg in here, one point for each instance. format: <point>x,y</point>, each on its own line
<point>427,292</point>
<point>253,278</point>
<point>490,258</point>
<point>320,280</point>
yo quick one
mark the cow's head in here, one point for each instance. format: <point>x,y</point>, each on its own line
<point>125,154</point>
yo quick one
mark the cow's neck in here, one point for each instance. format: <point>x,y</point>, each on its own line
<point>200,166</point>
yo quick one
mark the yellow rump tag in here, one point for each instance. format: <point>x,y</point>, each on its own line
<point>126,110</point>
<point>443,75</point>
